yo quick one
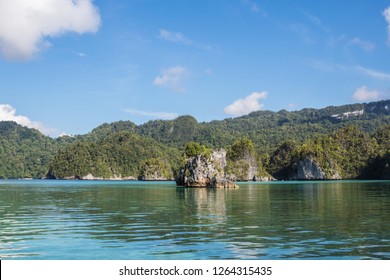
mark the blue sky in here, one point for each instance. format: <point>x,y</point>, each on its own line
<point>69,66</point>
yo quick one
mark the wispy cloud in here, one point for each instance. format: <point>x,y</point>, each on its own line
<point>255,7</point>
<point>356,41</point>
<point>365,45</point>
<point>316,21</point>
<point>372,73</point>
<point>25,25</point>
<point>8,113</point>
<point>179,38</point>
<point>175,37</point>
<point>303,32</point>
<point>158,115</point>
<point>365,94</point>
<point>324,66</point>
<point>307,34</point>
<point>311,29</point>
<point>76,53</point>
<point>172,78</point>
<point>386,14</point>
<point>246,105</point>
<point>331,67</point>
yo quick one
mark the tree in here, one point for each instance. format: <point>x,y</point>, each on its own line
<point>193,149</point>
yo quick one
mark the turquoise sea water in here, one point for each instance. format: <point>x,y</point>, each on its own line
<point>156,220</point>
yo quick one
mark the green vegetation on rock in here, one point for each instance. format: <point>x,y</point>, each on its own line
<point>193,149</point>
<point>350,141</point>
<point>155,169</point>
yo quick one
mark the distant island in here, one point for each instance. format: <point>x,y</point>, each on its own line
<point>337,142</point>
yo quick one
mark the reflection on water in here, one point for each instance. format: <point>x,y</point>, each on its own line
<point>139,220</point>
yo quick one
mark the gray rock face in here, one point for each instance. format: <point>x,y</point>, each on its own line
<point>308,169</point>
<point>222,183</point>
<point>243,169</point>
<point>246,169</point>
<point>218,158</point>
<point>209,172</point>
<point>264,178</point>
<point>252,170</point>
<point>92,177</point>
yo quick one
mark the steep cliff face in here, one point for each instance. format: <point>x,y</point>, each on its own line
<point>309,169</point>
<point>243,163</point>
<point>247,169</point>
<point>202,171</point>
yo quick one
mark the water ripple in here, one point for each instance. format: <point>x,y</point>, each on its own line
<point>160,222</point>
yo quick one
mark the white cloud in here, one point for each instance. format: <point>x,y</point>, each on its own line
<point>365,94</point>
<point>386,14</point>
<point>159,115</point>
<point>25,25</point>
<point>246,105</point>
<point>172,78</point>
<point>8,113</point>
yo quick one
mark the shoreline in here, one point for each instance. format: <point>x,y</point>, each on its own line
<point>239,182</point>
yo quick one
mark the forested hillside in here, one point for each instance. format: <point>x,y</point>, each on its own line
<point>25,152</point>
<point>347,153</point>
<point>351,141</point>
<point>121,154</point>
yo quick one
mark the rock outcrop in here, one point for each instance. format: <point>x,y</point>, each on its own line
<point>247,169</point>
<point>202,171</point>
<point>155,169</point>
<point>309,169</point>
<point>243,163</point>
<point>90,177</point>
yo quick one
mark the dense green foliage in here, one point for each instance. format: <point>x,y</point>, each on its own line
<point>379,165</point>
<point>192,149</point>
<point>352,140</point>
<point>24,152</point>
<point>267,129</point>
<point>121,154</point>
<point>241,148</point>
<point>156,168</point>
<point>349,152</point>
<point>243,161</point>
<point>281,161</point>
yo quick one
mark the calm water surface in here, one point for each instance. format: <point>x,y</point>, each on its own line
<point>141,220</point>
